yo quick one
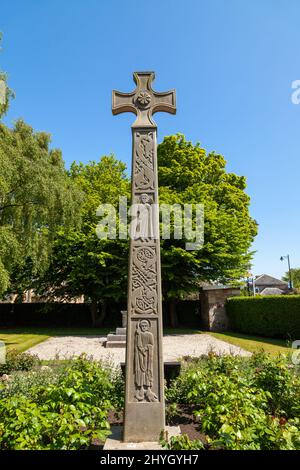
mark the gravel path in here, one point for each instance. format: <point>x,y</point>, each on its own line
<point>175,346</point>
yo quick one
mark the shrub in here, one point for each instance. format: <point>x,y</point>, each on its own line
<point>277,375</point>
<point>271,316</point>
<point>18,361</point>
<point>101,379</point>
<point>61,407</point>
<point>182,442</point>
<point>68,423</point>
<point>28,384</point>
<point>242,403</point>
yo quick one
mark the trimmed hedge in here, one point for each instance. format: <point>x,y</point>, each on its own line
<point>274,316</point>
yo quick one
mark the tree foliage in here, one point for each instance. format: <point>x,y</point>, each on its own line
<point>187,174</point>
<point>295,274</point>
<point>5,92</point>
<point>81,262</point>
<point>36,197</point>
<point>37,219</point>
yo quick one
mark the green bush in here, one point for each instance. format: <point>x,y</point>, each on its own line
<point>277,375</point>
<point>61,407</point>
<point>276,316</point>
<point>242,403</point>
<point>18,361</point>
<point>28,383</point>
<point>182,442</point>
<point>68,423</point>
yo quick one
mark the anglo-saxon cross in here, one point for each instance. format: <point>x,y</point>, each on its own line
<point>144,394</point>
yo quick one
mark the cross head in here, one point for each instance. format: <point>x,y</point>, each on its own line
<point>143,101</point>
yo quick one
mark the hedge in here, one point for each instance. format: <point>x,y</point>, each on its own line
<point>273,316</point>
<point>54,314</point>
<point>78,315</point>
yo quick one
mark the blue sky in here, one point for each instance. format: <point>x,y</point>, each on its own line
<point>232,63</point>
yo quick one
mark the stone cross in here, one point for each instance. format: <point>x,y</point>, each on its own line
<point>144,417</point>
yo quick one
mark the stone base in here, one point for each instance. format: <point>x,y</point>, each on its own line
<point>121,331</point>
<point>115,442</point>
<point>117,339</point>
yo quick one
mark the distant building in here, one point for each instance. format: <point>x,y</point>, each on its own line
<point>268,285</point>
<point>272,291</point>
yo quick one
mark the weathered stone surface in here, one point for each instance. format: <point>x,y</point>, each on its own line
<point>116,337</point>
<point>115,340</point>
<point>144,397</point>
<point>121,331</point>
<point>115,441</point>
<point>213,312</point>
<point>116,344</point>
<point>124,318</point>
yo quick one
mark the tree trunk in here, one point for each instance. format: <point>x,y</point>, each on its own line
<point>173,314</point>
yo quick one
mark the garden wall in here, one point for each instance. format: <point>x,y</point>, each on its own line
<point>271,316</point>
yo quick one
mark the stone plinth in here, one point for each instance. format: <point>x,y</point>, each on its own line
<point>115,441</point>
<point>118,339</point>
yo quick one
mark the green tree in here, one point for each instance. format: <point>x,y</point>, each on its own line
<point>295,275</point>
<point>187,174</point>
<point>36,198</point>
<point>83,264</point>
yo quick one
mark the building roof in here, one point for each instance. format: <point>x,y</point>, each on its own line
<point>266,280</point>
<point>272,291</point>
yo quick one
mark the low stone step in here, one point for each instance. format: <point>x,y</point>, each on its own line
<point>116,344</point>
<point>117,337</point>
<point>121,331</point>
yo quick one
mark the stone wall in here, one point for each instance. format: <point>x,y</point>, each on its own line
<point>213,312</point>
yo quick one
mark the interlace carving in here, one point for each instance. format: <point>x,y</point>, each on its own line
<point>144,162</point>
<point>144,281</point>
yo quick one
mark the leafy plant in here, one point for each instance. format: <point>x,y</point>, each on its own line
<point>28,384</point>
<point>18,361</point>
<point>61,407</point>
<point>181,442</point>
<point>242,403</point>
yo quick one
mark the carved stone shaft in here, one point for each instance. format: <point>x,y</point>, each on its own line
<point>144,417</point>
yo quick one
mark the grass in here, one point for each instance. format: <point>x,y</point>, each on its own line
<point>254,343</point>
<point>22,339</point>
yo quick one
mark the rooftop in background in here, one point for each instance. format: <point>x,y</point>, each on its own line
<point>272,291</point>
<point>266,280</point>
<point>269,285</point>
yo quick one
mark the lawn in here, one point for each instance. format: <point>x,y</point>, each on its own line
<point>22,339</point>
<point>254,343</point>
